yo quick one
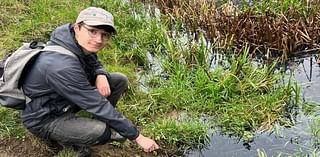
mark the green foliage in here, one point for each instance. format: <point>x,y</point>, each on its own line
<point>244,98</point>
<point>315,130</point>
<point>310,108</point>
<point>24,21</point>
<point>281,6</point>
<point>67,153</point>
<point>137,33</point>
<point>185,133</point>
<point>10,125</point>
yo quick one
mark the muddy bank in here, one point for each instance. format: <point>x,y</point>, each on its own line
<point>32,148</point>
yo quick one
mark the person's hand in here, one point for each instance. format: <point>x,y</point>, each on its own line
<point>146,143</point>
<point>102,85</point>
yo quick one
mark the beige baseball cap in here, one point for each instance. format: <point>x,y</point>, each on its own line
<point>93,16</point>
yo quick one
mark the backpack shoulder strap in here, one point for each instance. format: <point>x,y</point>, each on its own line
<point>11,95</point>
<point>59,49</point>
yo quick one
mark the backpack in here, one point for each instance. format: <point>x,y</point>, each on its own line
<point>13,67</point>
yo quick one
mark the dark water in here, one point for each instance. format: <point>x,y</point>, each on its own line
<point>294,141</point>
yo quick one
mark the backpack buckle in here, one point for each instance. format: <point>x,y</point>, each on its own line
<point>37,44</point>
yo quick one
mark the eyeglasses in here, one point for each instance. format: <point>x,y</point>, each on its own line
<point>95,33</point>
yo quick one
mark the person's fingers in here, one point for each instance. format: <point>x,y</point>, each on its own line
<point>149,149</point>
<point>156,145</point>
<point>107,90</point>
<point>153,147</point>
<point>103,91</point>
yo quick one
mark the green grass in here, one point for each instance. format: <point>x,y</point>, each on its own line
<point>67,153</point>
<point>187,133</point>
<point>312,153</point>
<point>281,6</point>
<point>315,131</point>
<point>10,125</point>
<point>312,109</point>
<point>239,97</point>
<point>33,20</point>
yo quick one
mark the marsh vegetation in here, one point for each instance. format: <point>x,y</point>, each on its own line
<point>194,92</point>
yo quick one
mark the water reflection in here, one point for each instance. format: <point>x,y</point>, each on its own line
<point>288,142</point>
<point>294,141</point>
<point>307,74</point>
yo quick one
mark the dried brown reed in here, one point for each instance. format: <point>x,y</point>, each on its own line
<point>286,34</point>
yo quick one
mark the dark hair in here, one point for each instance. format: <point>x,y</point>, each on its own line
<point>106,28</point>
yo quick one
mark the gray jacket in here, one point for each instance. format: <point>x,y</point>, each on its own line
<point>59,83</point>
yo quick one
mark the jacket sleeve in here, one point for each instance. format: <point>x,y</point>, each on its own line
<point>97,66</point>
<point>68,79</point>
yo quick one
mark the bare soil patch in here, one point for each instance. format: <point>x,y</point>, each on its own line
<point>33,148</point>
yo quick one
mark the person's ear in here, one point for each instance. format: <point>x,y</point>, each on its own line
<point>76,28</point>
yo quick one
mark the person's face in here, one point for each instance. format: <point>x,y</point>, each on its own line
<point>91,39</point>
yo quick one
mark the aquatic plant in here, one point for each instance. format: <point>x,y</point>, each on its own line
<point>271,28</point>
<point>241,98</point>
<point>315,130</point>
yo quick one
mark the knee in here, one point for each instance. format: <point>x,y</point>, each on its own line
<point>122,80</point>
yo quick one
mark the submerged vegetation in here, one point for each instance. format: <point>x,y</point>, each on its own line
<point>189,95</point>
